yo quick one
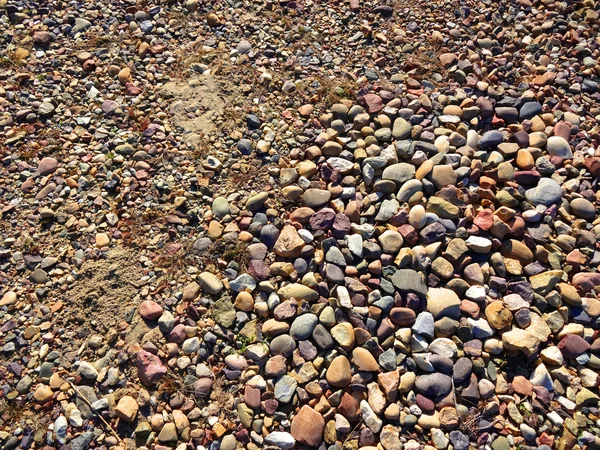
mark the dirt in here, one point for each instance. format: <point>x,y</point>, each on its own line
<point>106,291</point>
<point>201,97</point>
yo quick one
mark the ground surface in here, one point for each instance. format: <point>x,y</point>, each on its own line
<point>299,224</point>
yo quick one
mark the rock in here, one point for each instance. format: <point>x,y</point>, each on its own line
<point>572,346</point>
<point>298,291</point>
<point>399,173</point>
<point>150,369</point>
<point>409,281</point>
<point>315,198</point>
<point>583,208</point>
<point>257,201</point>
<point>339,372</point>
<point>47,166</point>
<point>490,139</point>
<point>435,385</point>
<point>307,426</point>
<point>220,207</point>
<point>281,439</point>
<point>224,312</point>
<point>498,316</point>
<point>364,360</point>
<point>210,283</point>
<point>43,393</point>
<point>127,408</point>
<point>289,244</point>
<point>517,339</point>
<point>546,193</point>
<point>285,388</point>
<point>303,326</point>
<point>443,302</point>
<point>150,310</point>
<point>168,434</point>
<point>557,146</point>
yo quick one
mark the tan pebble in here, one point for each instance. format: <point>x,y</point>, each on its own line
<point>43,393</point>
<point>244,301</point>
<point>124,75</point>
<point>525,160</point>
<point>9,298</point>
<point>127,409</point>
<point>102,240</point>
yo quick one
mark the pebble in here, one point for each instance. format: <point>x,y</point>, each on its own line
<point>345,246</point>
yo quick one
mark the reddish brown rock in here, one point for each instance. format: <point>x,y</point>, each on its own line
<point>47,166</point>
<point>586,282</point>
<point>373,102</point>
<point>448,59</point>
<point>593,166</point>
<point>150,310</point>
<point>348,407</point>
<point>403,317</point>
<point>307,426</point>
<point>388,382</point>
<point>150,368</point>
<point>573,346</point>
<point>484,220</point>
<point>522,385</point>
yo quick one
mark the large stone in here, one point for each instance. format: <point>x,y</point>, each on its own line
<point>307,426</point>
<point>127,408</point>
<point>224,312</point>
<point>303,326</point>
<point>289,244</point>
<point>285,389</point>
<point>409,281</point>
<point>435,385</point>
<point>497,315</point>
<point>558,146</point>
<point>399,173</point>
<point>545,193</point>
<point>339,372</point>
<point>401,129</point>
<point>315,198</point>
<point>364,360</point>
<point>583,208</point>
<point>518,339</point>
<point>442,302</point>
<point>281,439</point>
<point>573,345</point>
<point>544,282</point>
<point>47,166</point>
<point>150,368</point>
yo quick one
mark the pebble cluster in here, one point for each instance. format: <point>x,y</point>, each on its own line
<point>300,224</point>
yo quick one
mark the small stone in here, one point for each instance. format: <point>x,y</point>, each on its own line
<point>43,393</point>
<point>127,408</point>
<point>150,310</point>
<point>210,283</point>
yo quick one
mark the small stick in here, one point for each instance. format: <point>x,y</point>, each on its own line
<point>87,402</point>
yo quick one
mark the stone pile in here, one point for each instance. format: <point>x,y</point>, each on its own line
<point>298,224</point>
